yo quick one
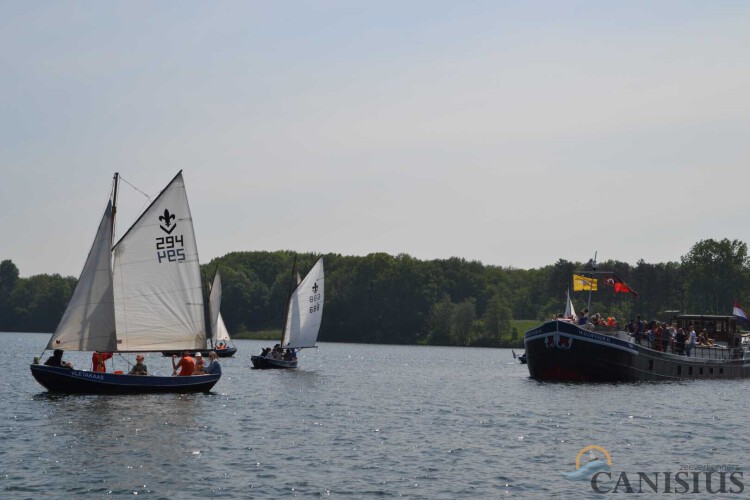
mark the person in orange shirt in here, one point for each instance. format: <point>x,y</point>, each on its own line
<point>98,359</point>
<point>186,365</point>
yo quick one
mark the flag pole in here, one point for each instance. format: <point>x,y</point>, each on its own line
<point>591,283</point>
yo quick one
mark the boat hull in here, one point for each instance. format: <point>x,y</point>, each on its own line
<point>263,363</point>
<point>69,381</point>
<point>563,351</point>
<point>222,353</point>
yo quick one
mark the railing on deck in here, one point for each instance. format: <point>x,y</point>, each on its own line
<point>701,352</point>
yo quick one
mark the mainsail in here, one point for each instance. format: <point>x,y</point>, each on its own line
<point>305,310</point>
<point>88,323</point>
<point>157,285</point>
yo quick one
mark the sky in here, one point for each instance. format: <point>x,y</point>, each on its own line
<point>512,133</point>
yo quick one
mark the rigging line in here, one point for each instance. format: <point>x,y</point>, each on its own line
<point>129,184</point>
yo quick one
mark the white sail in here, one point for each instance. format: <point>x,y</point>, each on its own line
<point>570,311</point>
<point>157,284</point>
<point>305,310</point>
<point>88,323</point>
<point>222,334</point>
<point>214,306</point>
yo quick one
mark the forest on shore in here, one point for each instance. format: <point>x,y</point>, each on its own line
<point>381,298</point>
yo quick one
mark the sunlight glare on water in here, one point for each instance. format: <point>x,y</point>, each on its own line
<point>353,421</point>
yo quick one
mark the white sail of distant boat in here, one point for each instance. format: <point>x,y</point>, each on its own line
<point>305,310</point>
<point>222,334</point>
<point>219,332</point>
<point>570,311</point>
<point>214,306</point>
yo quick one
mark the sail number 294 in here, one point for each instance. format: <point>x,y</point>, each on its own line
<point>168,249</point>
<point>315,304</point>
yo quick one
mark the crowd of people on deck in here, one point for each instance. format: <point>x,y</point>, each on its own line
<point>664,337</point>
<point>186,364</point>
<point>279,353</point>
<point>660,336</point>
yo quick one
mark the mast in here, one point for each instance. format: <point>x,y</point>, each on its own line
<point>288,296</point>
<point>116,182</point>
<point>591,284</point>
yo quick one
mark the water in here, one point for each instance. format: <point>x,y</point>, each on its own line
<point>355,421</point>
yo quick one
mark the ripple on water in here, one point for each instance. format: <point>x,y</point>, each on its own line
<point>355,421</point>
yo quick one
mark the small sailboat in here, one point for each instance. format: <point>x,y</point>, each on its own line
<point>142,294</point>
<point>520,357</point>
<point>219,334</point>
<point>301,323</point>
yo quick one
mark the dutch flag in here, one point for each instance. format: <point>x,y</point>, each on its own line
<point>737,311</point>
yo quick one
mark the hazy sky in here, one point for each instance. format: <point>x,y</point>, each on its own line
<point>514,133</point>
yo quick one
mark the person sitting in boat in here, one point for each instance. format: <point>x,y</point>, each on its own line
<point>186,365</point>
<point>138,368</point>
<point>276,353</point>
<point>611,322</point>
<point>265,352</point>
<point>98,359</point>
<point>584,318</point>
<point>199,366</point>
<point>596,319</point>
<point>214,367</point>
<point>56,360</point>
<point>221,346</point>
<point>704,340</point>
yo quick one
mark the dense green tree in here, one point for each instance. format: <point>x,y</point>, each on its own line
<point>381,298</point>
<point>715,273</point>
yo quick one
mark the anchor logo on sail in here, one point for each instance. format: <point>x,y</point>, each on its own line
<point>315,288</point>
<point>167,218</point>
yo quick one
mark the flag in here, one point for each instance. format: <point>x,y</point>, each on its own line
<point>582,283</point>
<point>619,285</point>
<point>737,311</point>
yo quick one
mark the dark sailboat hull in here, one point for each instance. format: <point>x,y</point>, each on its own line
<point>563,351</point>
<point>222,353</point>
<point>263,363</point>
<point>69,381</point>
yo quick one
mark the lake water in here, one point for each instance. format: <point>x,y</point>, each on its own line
<point>356,421</point>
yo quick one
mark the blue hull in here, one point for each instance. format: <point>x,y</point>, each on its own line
<point>69,381</point>
<point>263,363</point>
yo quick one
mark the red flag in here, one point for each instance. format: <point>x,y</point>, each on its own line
<point>619,285</point>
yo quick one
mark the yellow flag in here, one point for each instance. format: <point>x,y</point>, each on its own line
<point>583,283</point>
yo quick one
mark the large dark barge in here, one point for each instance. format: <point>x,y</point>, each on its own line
<point>560,350</point>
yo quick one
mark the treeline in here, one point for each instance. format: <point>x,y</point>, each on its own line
<point>381,298</point>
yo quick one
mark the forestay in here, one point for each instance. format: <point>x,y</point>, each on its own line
<point>305,310</point>
<point>157,285</point>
